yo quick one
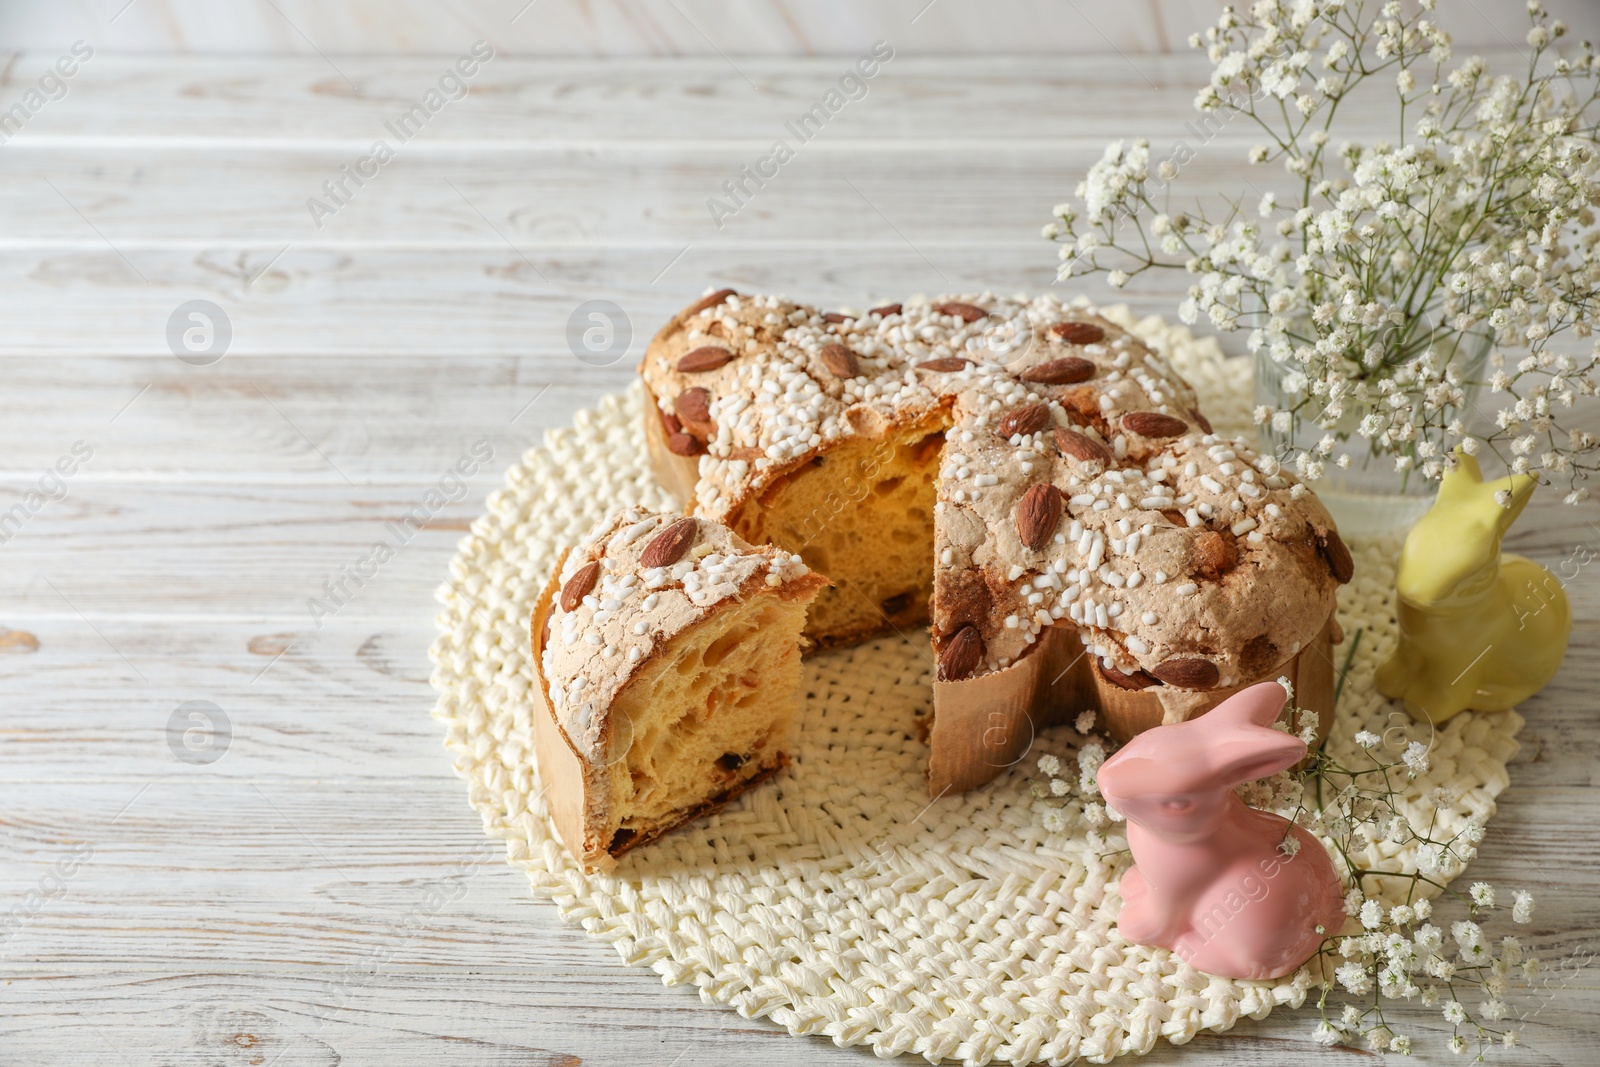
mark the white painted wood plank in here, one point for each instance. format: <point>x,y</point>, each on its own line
<point>118,97</point>
<point>460,1016</point>
<point>396,419</point>
<point>514,102</point>
<point>348,702</point>
<point>586,1011</point>
<point>686,28</point>
<point>573,198</point>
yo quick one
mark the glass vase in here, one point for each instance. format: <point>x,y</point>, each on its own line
<point>1370,498</point>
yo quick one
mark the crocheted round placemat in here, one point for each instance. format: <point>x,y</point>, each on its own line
<point>838,899</point>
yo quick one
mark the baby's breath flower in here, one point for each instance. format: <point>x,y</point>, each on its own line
<point>1354,978</point>
<point>1440,796</point>
<point>1466,933</point>
<point>1416,758</point>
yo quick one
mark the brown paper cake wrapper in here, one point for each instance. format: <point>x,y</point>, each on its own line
<point>981,726</point>
<point>561,770</point>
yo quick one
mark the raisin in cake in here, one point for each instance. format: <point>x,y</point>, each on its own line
<point>1026,475</point>
<point>669,664</point>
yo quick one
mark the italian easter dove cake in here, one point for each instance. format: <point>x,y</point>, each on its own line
<point>1024,476</point>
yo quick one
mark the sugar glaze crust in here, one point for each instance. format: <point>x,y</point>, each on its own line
<point>1182,558</point>
<point>600,639</point>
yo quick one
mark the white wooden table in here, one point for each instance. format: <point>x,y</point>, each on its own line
<point>320,892</point>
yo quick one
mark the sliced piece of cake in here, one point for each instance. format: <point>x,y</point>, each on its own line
<point>668,654</point>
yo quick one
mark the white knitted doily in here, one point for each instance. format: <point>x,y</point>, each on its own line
<point>837,899</point>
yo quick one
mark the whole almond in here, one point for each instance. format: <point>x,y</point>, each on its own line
<point>671,423</point>
<point>886,310</point>
<point>1030,418</point>
<point>840,360</point>
<point>705,302</point>
<point>704,358</point>
<point>949,363</point>
<point>1078,333</point>
<point>1153,424</point>
<point>694,406</point>
<point>1069,370</point>
<point>1340,562</point>
<point>1136,680</point>
<point>1188,673</point>
<point>682,444</point>
<point>835,316</point>
<point>1214,554</point>
<point>1038,513</point>
<point>669,545</point>
<point>1081,446</point>
<point>578,585</point>
<point>964,312</point>
<point>961,655</point>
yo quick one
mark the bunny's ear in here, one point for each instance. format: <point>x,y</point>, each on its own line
<point>1256,752</point>
<point>1259,705</point>
<point>1131,775</point>
<point>1521,487</point>
<point>1462,482</point>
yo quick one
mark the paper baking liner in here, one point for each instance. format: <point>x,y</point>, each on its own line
<point>561,769</point>
<point>983,725</point>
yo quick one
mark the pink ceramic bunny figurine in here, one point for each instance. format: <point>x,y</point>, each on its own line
<point>1209,880</point>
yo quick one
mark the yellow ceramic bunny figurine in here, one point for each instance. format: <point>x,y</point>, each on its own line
<point>1477,629</point>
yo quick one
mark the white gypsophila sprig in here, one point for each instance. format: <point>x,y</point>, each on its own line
<point>1380,270</point>
<point>1403,953</point>
<point>1071,795</point>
